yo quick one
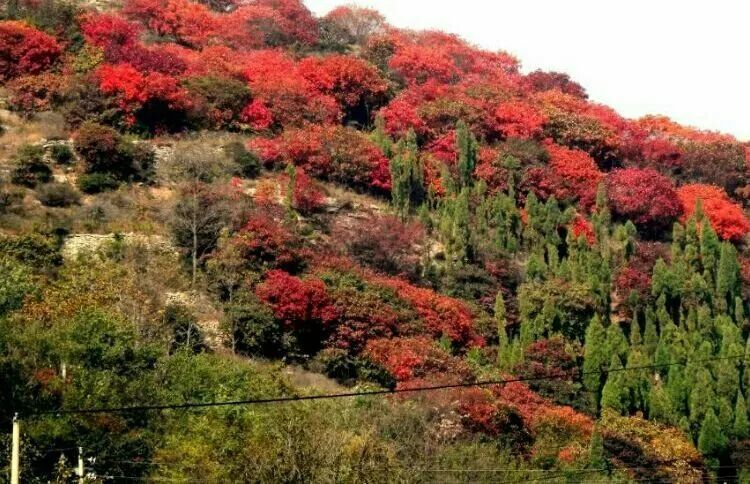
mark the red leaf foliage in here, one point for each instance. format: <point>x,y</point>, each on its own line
<point>296,302</point>
<point>727,218</point>
<point>25,50</point>
<point>644,196</point>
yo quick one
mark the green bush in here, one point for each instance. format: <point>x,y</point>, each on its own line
<point>97,182</point>
<point>34,250</point>
<point>30,167</point>
<point>248,162</point>
<point>58,195</point>
<point>254,329</point>
<point>62,154</point>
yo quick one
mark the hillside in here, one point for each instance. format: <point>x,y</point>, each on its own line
<point>231,201</point>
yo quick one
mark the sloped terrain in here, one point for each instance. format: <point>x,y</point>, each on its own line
<point>223,201</point>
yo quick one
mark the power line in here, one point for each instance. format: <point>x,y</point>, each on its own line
<point>331,396</point>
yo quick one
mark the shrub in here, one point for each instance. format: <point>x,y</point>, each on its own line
<point>103,150</point>
<point>98,147</point>
<point>218,101</point>
<point>25,50</point>
<point>97,182</point>
<point>247,161</point>
<point>58,195</point>
<point>34,250</point>
<point>253,329</point>
<point>30,167</point>
<point>62,154</point>
<point>726,217</point>
<point>644,196</point>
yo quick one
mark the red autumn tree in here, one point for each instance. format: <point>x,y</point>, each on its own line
<point>292,101</point>
<point>299,22</point>
<point>136,92</point>
<point>25,50</point>
<point>251,27</point>
<point>417,64</point>
<point>545,81</point>
<point>442,315</point>
<point>360,23</point>
<point>583,228</point>
<point>264,242</point>
<point>410,358</point>
<point>39,92</point>
<point>516,119</point>
<point>296,302</point>
<point>726,217</point>
<point>339,154</point>
<point>189,23</point>
<point>354,83</point>
<point>307,197</point>
<point>571,175</point>
<point>643,196</point>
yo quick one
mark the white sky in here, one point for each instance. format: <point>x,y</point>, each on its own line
<point>687,59</point>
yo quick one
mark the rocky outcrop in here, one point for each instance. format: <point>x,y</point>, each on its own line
<point>78,244</point>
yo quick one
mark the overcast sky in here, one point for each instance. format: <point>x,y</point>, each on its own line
<point>687,59</point>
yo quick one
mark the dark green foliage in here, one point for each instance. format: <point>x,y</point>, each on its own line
<point>248,163</point>
<point>467,148</point>
<point>30,168</point>
<point>253,329</point>
<point>61,154</point>
<point>33,250</point>
<point>615,393</point>
<point>219,100</point>
<point>97,182</point>
<point>58,195</point>
<point>711,440</point>
<point>15,284</point>
<point>104,150</point>
<point>186,333</point>
<point>407,175</point>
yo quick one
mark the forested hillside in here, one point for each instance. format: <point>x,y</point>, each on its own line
<point>234,200</point>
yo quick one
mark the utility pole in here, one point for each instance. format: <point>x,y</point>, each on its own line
<point>79,469</point>
<point>15,458</point>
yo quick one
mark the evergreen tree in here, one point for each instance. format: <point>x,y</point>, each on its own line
<point>637,382</point>
<point>597,459</point>
<point>616,342</point>
<point>650,336</point>
<point>407,176</point>
<point>660,405</point>
<point>467,148</point>
<point>595,355</point>
<point>711,440</point>
<point>381,138</point>
<point>502,334</point>
<point>614,393</point>
<point>727,278</point>
<point>741,427</point>
<point>702,395</point>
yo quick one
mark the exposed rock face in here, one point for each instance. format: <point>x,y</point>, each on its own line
<point>78,244</point>
<point>208,319</point>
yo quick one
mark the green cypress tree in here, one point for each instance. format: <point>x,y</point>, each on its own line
<point>702,395</point>
<point>650,336</point>
<point>597,459</point>
<point>727,278</point>
<point>725,415</point>
<point>381,138</point>
<point>741,427</point>
<point>614,393</point>
<point>711,440</point>
<point>678,390</point>
<point>660,405</point>
<point>637,382</point>
<point>502,334</point>
<point>710,247</point>
<point>635,333</point>
<point>616,342</point>
<point>467,148</point>
<point>407,176</point>
<point>595,355</point>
